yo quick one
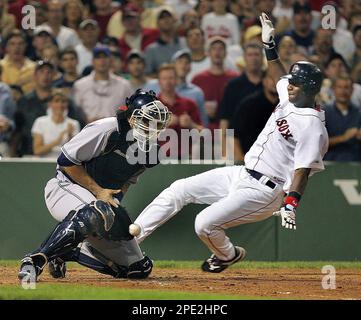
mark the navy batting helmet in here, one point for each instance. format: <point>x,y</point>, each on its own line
<point>307,75</point>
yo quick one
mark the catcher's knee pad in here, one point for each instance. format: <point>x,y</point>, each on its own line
<point>94,219</point>
<point>140,269</point>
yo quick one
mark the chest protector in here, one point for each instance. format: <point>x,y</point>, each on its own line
<point>111,169</point>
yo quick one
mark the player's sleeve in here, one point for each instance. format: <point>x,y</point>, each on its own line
<point>86,145</point>
<point>282,90</point>
<point>311,147</point>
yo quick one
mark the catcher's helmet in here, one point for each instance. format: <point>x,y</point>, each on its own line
<point>307,75</point>
<point>147,117</point>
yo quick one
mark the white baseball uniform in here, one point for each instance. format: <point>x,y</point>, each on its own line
<point>293,138</point>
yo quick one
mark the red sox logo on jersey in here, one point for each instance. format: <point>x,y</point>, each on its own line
<point>283,127</point>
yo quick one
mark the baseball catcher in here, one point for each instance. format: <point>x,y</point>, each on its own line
<point>92,175</point>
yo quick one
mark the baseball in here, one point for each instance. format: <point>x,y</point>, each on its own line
<point>134,229</point>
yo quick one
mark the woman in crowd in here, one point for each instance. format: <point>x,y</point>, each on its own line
<point>74,13</point>
<point>50,132</point>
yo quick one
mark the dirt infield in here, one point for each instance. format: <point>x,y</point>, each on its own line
<point>262,283</point>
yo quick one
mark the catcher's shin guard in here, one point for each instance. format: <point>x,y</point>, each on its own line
<point>94,219</point>
<point>89,257</point>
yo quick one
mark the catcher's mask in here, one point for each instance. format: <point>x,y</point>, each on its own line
<point>147,116</point>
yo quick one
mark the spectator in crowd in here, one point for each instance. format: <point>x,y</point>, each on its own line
<point>14,8</point>
<point>7,110</point>
<point>354,19</point>
<point>34,105</point>
<point>343,123</point>
<point>111,42</point>
<point>182,6</point>
<point>298,56</point>
<point>117,63</point>
<point>235,53</point>
<point>251,116</point>
<point>103,12</point>
<point>266,6</point>
<point>99,93</point>
<point>214,80</point>
<point>342,39</point>
<point>196,44</point>
<point>247,83</point>
<point>323,49</point>
<point>89,34</point>
<point>334,67</point>
<point>189,19</point>
<point>51,53</point>
<point>203,7</point>
<point>136,68</point>
<point>185,113</point>
<point>51,131</point>
<point>135,36</point>
<point>286,48</point>
<point>356,59</point>
<point>74,14</point>
<point>39,11</point>
<point>68,62</point>
<point>182,63</point>
<point>221,23</point>
<point>166,45</point>
<point>16,92</point>
<point>302,32</point>
<point>148,18</point>
<point>283,9</point>
<point>7,21</point>
<point>246,12</point>
<point>65,37</point>
<point>42,37</point>
<point>200,60</point>
<point>16,67</point>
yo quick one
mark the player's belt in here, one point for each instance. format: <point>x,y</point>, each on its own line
<point>257,175</point>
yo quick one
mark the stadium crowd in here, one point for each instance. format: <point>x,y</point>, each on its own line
<point>203,58</point>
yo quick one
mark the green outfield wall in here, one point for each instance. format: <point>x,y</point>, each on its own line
<point>328,221</point>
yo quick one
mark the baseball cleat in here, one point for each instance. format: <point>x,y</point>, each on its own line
<point>215,265</point>
<point>28,271</point>
<point>57,268</point>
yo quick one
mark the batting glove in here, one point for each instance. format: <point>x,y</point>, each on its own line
<point>288,210</point>
<point>288,216</point>
<point>267,31</point>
